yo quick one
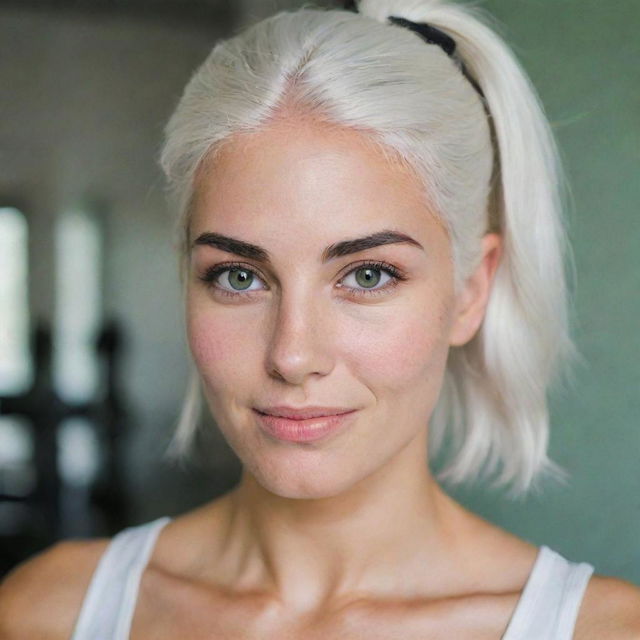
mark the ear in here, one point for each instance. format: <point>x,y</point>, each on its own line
<point>473,299</point>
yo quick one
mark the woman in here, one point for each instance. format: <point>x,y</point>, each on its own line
<point>372,259</point>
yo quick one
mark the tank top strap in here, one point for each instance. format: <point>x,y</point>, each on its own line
<point>109,603</point>
<point>549,604</point>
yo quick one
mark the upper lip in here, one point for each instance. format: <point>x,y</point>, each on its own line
<point>301,413</point>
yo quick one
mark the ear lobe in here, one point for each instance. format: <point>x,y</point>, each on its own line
<point>474,297</point>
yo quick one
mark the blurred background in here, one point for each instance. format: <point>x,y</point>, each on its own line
<point>93,359</point>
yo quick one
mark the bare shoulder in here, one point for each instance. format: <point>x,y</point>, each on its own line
<point>42,596</point>
<point>610,609</point>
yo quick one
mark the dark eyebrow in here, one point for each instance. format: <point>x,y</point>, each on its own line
<point>339,249</point>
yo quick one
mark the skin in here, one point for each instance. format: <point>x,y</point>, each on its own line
<point>351,537</point>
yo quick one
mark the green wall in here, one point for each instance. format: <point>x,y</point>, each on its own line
<point>584,58</point>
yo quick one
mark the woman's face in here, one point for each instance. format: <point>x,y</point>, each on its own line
<point>304,329</point>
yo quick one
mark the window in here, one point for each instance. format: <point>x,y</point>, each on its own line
<point>15,359</point>
<point>78,309</point>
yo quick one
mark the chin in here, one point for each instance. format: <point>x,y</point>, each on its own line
<point>299,483</point>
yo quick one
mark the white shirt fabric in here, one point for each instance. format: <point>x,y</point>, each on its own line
<point>547,609</point>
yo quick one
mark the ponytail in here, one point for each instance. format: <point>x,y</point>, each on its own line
<point>523,346</point>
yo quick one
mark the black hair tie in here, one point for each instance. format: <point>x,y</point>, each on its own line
<point>430,34</point>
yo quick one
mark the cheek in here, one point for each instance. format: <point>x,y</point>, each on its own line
<point>219,345</point>
<point>406,346</point>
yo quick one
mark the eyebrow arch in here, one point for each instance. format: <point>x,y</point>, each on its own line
<point>338,249</point>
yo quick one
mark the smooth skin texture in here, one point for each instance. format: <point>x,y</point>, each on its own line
<point>350,537</point>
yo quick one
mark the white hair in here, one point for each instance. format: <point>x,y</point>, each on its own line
<point>488,163</point>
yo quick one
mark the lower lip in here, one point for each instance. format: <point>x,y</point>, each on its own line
<point>308,430</point>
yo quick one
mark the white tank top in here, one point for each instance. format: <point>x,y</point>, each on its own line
<point>546,610</point>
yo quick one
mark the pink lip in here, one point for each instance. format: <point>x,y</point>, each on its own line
<point>303,430</point>
<point>302,413</point>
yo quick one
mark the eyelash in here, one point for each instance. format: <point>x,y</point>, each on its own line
<point>212,273</point>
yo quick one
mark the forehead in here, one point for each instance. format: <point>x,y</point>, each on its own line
<point>304,176</point>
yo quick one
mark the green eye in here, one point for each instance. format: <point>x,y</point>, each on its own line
<point>240,279</point>
<point>367,277</point>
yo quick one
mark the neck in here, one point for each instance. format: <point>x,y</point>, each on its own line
<point>379,538</point>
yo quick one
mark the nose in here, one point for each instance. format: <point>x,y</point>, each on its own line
<point>300,343</point>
